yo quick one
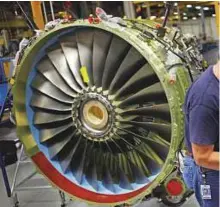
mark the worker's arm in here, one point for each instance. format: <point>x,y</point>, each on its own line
<point>204,128</point>
<point>205,156</point>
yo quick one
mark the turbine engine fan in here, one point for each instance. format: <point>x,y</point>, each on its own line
<point>96,113</point>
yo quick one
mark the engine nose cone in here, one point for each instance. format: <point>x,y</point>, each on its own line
<point>95,115</point>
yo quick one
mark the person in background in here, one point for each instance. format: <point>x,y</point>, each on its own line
<point>201,161</point>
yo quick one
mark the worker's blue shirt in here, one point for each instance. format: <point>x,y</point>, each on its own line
<point>202,111</point>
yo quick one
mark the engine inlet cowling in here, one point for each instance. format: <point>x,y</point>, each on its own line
<point>96,112</point>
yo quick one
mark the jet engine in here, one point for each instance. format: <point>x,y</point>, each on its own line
<point>98,106</point>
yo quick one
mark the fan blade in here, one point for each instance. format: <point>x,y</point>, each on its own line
<point>162,150</point>
<point>58,59</point>
<point>146,139</point>
<point>67,156</point>
<point>124,182</point>
<point>163,130</point>
<point>161,111</point>
<point>70,50</point>
<point>158,139</point>
<point>84,40</point>
<point>101,45</point>
<point>100,159</point>
<point>138,162</point>
<point>151,164</point>
<point>48,118</point>
<point>140,177</point>
<point>138,159</point>
<point>108,182</point>
<point>154,155</point>
<point>154,93</point>
<point>125,165</point>
<point>43,102</point>
<point>143,78</point>
<point>92,173</point>
<point>45,87</point>
<point>151,159</point>
<point>128,165</point>
<point>46,68</point>
<point>117,51</point>
<point>46,134</point>
<point>147,155</point>
<point>80,169</point>
<point>56,146</point>
<point>131,63</point>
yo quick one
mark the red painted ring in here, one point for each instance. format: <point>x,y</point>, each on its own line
<point>66,185</point>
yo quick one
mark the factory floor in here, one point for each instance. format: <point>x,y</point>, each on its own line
<point>49,197</point>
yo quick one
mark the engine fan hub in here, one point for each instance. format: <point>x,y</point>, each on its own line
<point>94,116</point>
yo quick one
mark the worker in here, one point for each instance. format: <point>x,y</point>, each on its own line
<point>201,162</point>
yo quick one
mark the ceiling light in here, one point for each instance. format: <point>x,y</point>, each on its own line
<point>175,13</point>
<point>184,14</point>
<point>199,14</point>
<point>213,15</point>
<point>198,7</point>
<point>175,4</point>
<point>194,18</point>
<point>152,17</point>
<point>185,18</point>
<point>206,8</point>
<point>189,6</point>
